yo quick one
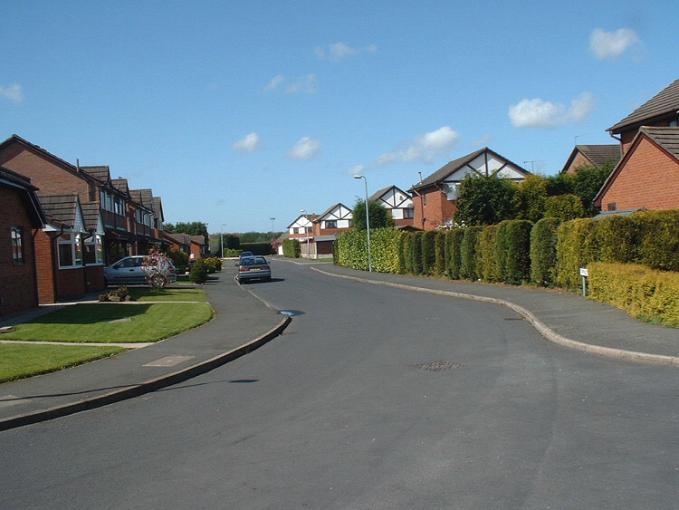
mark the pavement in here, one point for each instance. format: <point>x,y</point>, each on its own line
<point>239,318</point>
<point>568,314</point>
<point>373,398</point>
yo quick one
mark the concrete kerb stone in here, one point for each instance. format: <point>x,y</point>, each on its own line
<point>147,386</point>
<point>542,328</point>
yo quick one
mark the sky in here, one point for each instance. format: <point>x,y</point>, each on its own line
<point>238,112</point>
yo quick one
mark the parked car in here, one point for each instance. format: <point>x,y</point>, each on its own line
<point>253,268</point>
<point>129,271</point>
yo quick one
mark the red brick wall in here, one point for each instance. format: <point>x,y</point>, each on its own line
<point>94,278</point>
<point>195,250</point>
<point>45,267</point>
<point>649,179</point>
<point>17,281</point>
<point>45,175</point>
<point>404,222</point>
<point>578,161</point>
<point>70,283</point>
<point>437,210</point>
<point>627,137</point>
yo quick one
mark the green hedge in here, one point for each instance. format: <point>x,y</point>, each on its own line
<point>428,252</point>
<point>564,207</point>
<point>486,258</point>
<point>543,251</point>
<point>291,248</point>
<point>416,253</point>
<point>616,238</point>
<point>352,249</point>
<point>513,236</point>
<point>644,293</point>
<point>406,247</point>
<point>257,248</point>
<point>454,253</point>
<point>658,233</point>
<point>575,248</point>
<point>440,253</point>
<point>468,252</point>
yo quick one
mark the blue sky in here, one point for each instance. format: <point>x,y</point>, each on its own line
<point>166,93</point>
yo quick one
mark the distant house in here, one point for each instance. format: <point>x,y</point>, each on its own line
<point>591,155</point>
<point>648,174</point>
<point>662,110</point>
<point>435,197</point>
<point>325,227</point>
<point>399,203</point>
<point>193,246</point>
<point>20,216</point>
<point>302,227</point>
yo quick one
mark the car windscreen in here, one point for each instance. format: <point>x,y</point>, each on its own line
<point>253,261</point>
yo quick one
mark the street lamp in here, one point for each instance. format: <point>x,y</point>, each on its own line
<point>221,236</point>
<point>306,231</point>
<point>367,219</point>
<point>272,220</point>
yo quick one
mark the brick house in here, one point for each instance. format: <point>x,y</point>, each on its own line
<point>647,176</point>
<point>194,246</point>
<point>302,227</point>
<point>435,197</point>
<point>20,216</point>
<point>336,218</point>
<point>399,203</point>
<point>143,220</point>
<point>591,155</point>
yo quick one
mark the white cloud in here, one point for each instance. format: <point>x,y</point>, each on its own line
<point>423,148</point>
<point>274,83</point>
<point>13,93</point>
<point>305,84</point>
<point>539,113</point>
<point>356,170</point>
<point>248,143</point>
<point>305,148</point>
<point>611,44</point>
<point>339,51</point>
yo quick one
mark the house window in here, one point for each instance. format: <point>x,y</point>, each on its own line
<point>612,206</point>
<point>118,206</point>
<point>70,251</point>
<point>94,250</point>
<point>17,245</point>
<point>331,224</point>
<point>409,213</point>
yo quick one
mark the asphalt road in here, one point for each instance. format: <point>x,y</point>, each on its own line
<point>374,398</point>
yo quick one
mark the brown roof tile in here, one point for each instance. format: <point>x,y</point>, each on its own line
<point>666,137</point>
<point>664,102</point>
<point>101,172</point>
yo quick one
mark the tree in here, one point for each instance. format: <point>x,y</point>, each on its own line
<point>529,200</point>
<point>564,207</point>
<point>194,228</point>
<point>587,182</point>
<point>484,200</point>
<point>379,216</point>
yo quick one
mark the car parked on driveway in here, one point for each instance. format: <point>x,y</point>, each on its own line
<point>253,268</point>
<point>130,271</point>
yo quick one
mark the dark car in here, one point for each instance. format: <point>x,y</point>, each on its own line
<point>253,268</point>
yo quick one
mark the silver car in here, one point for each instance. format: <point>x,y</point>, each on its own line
<point>253,268</point>
<point>129,271</point>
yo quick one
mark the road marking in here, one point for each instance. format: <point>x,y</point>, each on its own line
<point>169,361</point>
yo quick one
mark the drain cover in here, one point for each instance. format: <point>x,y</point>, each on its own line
<point>437,366</point>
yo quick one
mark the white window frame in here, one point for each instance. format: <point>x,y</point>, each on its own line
<point>17,245</point>
<point>97,241</point>
<point>76,248</point>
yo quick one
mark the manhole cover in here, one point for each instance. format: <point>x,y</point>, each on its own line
<point>437,366</point>
<point>290,313</point>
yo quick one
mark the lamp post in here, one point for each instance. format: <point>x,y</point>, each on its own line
<point>367,219</point>
<point>221,236</point>
<point>272,220</point>
<point>306,231</point>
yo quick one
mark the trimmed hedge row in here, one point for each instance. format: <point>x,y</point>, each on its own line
<point>644,293</point>
<point>291,248</point>
<point>351,250</point>
<point>257,248</point>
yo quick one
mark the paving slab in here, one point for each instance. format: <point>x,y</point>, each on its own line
<point>238,319</point>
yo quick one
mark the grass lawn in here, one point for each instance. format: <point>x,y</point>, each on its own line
<point>113,323</point>
<point>17,361</point>
<point>139,294</point>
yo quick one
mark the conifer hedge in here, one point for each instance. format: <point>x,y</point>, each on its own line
<point>454,252</point>
<point>440,253</point>
<point>428,253</point>
<point>291,248</point>
<point>543,251</point>
<point>468,251</point>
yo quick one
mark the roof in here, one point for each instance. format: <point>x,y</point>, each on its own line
<point>329,210</point>
<point>310,217</point>
<point>55,159</point>
<point>157,206</point>
<point>23,184</point>
<point>121,185</point>
<point>102,173</point>
<point>596,154</point>
<point>60,209</point>
<point>664,102</point>
<point>90,214</point>
<point>17,180</point>
<point>197,239</point>
<point>375,196</point>
<point>667,138</point>
<point>458,163</point>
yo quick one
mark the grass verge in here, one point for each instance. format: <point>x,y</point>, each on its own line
<point>139,294</point>
<point>113,323</point>
<point>18,361</point>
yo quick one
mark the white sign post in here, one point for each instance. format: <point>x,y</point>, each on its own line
<point>584,274</point>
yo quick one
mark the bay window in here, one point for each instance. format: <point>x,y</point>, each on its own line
<point>69,248</point>
<point>94,250</point>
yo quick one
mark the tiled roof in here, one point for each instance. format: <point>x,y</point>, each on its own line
<point>448,169</point>
<point>121,185</point>
<point>666,137</point>
<point>16,179</point>
<point>157,206</point>
<point>90,214</point>
<point>310,217</point>
<point>100,172</point>
<point>198,239</point>
<point>329,210</point>
<point>23,184</point>
<point>177,238</point>
<point>599,154</point>
<point>60,209</point>
<point>375,196</point>
<point>664,102</point>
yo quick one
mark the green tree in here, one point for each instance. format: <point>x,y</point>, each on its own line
<point>485,200</point>
<point>564,207</point>
<point>379,216</point>
<point>587,182</point>
<point>529,199</point>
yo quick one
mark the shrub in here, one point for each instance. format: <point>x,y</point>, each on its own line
<point>543,251</point>
<point>515,267</point>
<point>454,253</point>
<point>529,200</point>
<point>198,272</point>
<point>484,200</point>
<point>179,259</point>
<point>486,259</point>
<point>616,239</point>
<point>231,252</point>
<point>658,233</point>
<point>440,253</point>
<point>642,292</point>
<point>257,248</point>
<point>587,181</point>
<point>406,242</point>
<point>468,253</point>
<point>416,253</point>
<point>403,252</point>
<point>352,249</point>
<point>291,248</point>
<point>575,248</point>
<point>213,264</point>
<point>428,254</point>
<point>564,207</point>
<point>379,216</point>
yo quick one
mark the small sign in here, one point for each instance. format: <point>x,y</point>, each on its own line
<point>584,272</point>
